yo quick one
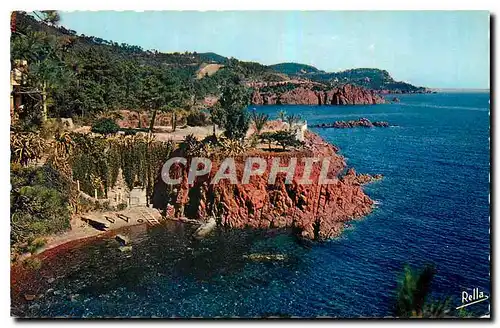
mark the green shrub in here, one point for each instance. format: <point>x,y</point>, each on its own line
<point>197,118</point>
<point>39,202</point>
<point>105,126</point>
<point>121,207</point>
<point>282,138</point>
<point>32,263</point>
<point>36,244</point>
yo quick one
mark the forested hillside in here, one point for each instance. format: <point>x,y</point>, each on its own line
<point>83,75</point>
<point>71,75</point>
<point>371,78</point>
<point>294,68</point>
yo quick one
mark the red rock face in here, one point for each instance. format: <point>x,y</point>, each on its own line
<point>347,94</point>
<point>300,95</point>
<point>316,210</point>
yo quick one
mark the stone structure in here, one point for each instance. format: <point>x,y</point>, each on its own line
<point>17,79</point>
<point>137,197</point>
<point>300,130</point>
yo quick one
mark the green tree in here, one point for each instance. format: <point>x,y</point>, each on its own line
<point>162,90</point>
<point>217,116</point>
<point>285,139</point>
<point>46,71</point>
<point>267,137</point>
<point>233,102</point>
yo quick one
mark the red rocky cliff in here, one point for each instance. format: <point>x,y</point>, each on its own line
<point>316,211</point>
<point>347,94</point>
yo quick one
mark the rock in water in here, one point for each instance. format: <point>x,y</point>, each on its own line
<point>361,179</point>
<point>362,122</point>
<point>29,297</point>
<point>266,257</point>
<point>125,248</point>
<point>123,240</point>
<point>205,229</point>
<point>381,124</point>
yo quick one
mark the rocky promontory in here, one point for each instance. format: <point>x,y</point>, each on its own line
<point>347,94</point>
<point>314,211</point>
<point>363,179</point>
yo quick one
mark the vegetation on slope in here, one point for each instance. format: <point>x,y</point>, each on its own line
<point>39,203</point>
<point>294,68</point>
<point>78,75</point>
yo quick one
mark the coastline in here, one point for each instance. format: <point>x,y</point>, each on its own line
<point>321,202</point>
<point>321,212</point>
<point>81,230</point>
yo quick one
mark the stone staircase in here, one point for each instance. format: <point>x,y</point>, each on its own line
<point>148,216</point>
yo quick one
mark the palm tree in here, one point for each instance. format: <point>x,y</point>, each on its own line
<point>259,120</point>
<point>281,115</point>
<point>291,120</point>
<point>413,290</point>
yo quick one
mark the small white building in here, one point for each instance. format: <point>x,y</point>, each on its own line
<point>137,197</point>
<point>300,130</point>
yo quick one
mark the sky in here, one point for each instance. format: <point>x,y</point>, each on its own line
<point>438,49</point>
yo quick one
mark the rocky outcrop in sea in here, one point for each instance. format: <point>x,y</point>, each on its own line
<point>314,211</point>
<point>362,122</point>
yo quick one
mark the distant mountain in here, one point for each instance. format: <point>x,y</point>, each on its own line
<point>294,68</point>
<point>371,78</point>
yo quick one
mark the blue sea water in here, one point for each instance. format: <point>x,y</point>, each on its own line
<point>433,208</point>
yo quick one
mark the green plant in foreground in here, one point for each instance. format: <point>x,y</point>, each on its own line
<point>412,295</point>
<point>39,204</point>
<point>26,148</point>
